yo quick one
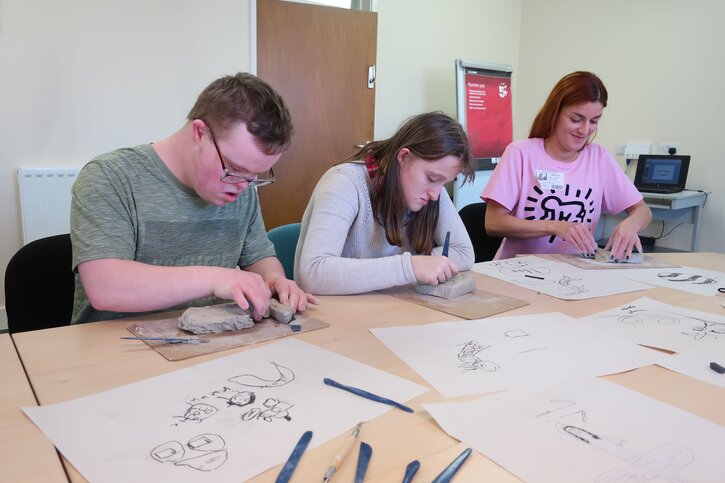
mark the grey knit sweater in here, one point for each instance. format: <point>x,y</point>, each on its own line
<point>342,248</point>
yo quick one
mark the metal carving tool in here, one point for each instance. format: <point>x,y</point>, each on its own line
<point>342,454</point>
<point>171,340</point>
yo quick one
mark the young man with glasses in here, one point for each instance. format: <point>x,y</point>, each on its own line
<point>169,224</point>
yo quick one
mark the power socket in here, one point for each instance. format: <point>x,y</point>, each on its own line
<point>633,150</point>
<point>664,148</point>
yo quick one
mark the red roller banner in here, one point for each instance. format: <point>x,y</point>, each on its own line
<point>488,114</point>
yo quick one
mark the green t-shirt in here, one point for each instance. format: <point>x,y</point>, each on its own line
<point>128,205</point>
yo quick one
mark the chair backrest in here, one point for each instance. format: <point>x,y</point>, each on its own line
<point>285,243</point>
<point>485,246</point>
<point>39,285</point>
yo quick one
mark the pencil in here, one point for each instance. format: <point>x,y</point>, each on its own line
<point>446,244</point>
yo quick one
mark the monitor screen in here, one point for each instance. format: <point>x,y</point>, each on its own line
<point>661,171</point>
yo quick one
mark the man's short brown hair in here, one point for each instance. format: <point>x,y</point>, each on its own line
<point>246,98</point>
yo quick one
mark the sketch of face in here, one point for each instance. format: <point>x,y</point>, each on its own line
<point>199,412</point>
<point>471,349</point>
<point>242,398</point>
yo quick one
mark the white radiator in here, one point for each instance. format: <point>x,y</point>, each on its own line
<point>45,195</point>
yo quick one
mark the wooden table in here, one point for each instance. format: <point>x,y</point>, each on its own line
<point>70,362</point>
<point>25,453</point>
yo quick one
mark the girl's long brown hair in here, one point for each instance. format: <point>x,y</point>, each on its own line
<point>430,136</point>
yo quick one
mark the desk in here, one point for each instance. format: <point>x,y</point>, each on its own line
<point>70,362</point>
<point>685,205</point>
<point>25,453</point>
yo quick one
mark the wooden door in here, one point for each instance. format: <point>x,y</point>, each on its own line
<point>317,58</point>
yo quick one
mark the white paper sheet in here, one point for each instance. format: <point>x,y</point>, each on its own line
<point>696,362</point>
<point>590,430</point>
<point>687,279</point>
<point>493,354</point>
<point>200,424</point>
<point>656,324</point>
<point>558,279</point>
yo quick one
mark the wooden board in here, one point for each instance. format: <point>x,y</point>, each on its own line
<point>267,329</point>
<point>475,305</point>
<point>600,262</point>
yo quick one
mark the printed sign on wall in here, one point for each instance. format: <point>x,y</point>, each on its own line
<point>488,114</point>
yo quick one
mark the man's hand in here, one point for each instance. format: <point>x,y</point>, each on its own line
<point>244,288</point>
<point>290,294</point>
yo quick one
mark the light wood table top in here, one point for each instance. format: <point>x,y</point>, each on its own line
<point>25,453</point>
<point>75,361</point>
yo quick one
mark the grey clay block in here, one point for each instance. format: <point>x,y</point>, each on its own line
<point>279,311</point>
<point>461,284</point>
<point>215,318</point>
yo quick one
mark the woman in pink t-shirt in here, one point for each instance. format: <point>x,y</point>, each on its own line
<point>548,192</point>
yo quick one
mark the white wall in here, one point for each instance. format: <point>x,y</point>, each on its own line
<point>418,42</point>
<point>663,64</point>
<point>81,77</point>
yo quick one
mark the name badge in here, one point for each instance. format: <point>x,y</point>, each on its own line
<point>550,180</point>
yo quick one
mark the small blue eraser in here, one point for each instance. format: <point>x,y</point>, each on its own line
<point>717,368</point>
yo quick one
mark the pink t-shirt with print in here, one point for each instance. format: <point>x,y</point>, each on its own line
<point>533,186</point>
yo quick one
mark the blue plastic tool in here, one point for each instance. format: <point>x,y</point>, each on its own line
<point>363,459</point>
<point>367,395</point>
<point>450,471</point>
<point>289,467</point>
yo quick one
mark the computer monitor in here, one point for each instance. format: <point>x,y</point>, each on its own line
<point>661,173</point>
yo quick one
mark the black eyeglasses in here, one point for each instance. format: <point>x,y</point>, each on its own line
<point>232,178</point>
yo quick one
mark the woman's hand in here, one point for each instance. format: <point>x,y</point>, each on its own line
<point>433,269</point>
<point>623,239</point>
<point>577,234</point>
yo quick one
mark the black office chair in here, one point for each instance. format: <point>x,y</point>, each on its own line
<point>485,246</point>
<point>39,285</point>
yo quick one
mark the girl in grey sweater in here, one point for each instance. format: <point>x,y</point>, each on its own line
<point>380,218</point>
